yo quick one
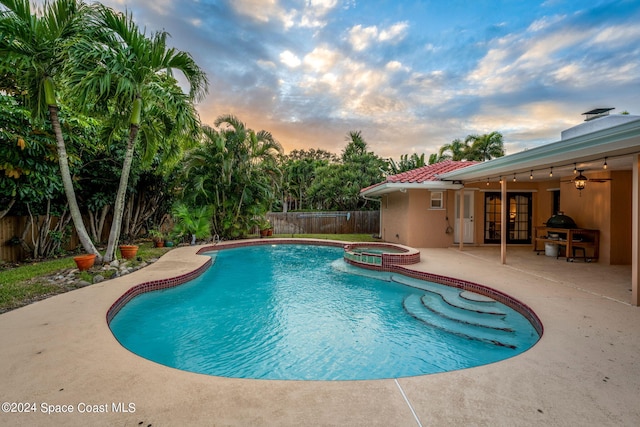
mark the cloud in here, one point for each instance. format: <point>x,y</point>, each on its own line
<point>559,54</point>
<point>289,59</point>
<point>310,14</point>
<point>362,37</point>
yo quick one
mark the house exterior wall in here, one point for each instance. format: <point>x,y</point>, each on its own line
<point>407,218</point>
<point>621,218</point>
<point>432,229</point>
<point>606,206</point>
<point>395,218</point>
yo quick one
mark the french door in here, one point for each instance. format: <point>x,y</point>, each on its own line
<point>518,227</point>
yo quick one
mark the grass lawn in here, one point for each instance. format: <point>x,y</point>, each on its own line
<point>29,282</point>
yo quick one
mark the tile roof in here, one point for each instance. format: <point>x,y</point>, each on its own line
<point>424,173</point>
<point>429,172</point>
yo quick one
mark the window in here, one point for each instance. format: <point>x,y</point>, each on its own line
<point>436,200</point>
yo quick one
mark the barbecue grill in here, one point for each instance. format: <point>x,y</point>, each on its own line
<point>561,221</point>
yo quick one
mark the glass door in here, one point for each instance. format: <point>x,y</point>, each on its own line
<point>518,227</point>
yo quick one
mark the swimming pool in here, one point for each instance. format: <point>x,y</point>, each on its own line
<point>300,312</point>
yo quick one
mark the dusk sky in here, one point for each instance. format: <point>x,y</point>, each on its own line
<point>411,75</point>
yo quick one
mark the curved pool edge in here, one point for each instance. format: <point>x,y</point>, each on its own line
<point>64,342</point>
<point>466,285</point>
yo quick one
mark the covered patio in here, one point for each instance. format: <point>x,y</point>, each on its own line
<point>594,169</point>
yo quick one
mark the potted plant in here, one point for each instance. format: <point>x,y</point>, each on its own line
<point>128,251</point>
<point>170,238</point>
<point>85,261</point>
<point>157,236</point>
<point>265,228</point>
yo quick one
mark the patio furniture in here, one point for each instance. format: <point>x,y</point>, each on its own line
<point>569,241</point>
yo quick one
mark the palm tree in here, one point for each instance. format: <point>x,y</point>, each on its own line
<point>235,170</point>
<point>485,147</point>
<point>125,72</point>
<point>456,150</point>
<point>34,43</point>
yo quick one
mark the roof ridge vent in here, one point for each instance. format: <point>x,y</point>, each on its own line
<point>596,113</point>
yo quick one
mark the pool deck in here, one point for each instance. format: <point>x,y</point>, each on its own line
<point>584,371</point>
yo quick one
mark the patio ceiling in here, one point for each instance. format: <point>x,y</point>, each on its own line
<point>585,152</point>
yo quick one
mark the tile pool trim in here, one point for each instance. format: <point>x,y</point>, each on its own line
<point>385,260</point>
<point>466,285</point>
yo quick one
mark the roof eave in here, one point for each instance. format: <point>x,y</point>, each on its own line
<point>392,187</point>
<point>599,143</point>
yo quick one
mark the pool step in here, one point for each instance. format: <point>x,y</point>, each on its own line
<point>414,306</point>
<point>452,298</point>
<point>436,303</point>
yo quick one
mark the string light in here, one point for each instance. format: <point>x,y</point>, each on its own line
<point>605,166</point>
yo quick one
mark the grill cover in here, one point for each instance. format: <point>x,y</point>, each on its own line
<point>561,221</point>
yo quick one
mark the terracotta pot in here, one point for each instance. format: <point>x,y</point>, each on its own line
<point>128,251</point>
<point>159,243</point>
<point>266,232</point>
<point>85,262</point>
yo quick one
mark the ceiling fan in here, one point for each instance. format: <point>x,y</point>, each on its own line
<point>580,181</point>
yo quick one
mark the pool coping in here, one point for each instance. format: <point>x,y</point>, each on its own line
<point>389,266</point>
<point>61,351</point>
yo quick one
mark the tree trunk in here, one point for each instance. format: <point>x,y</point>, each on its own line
<point>8,208</point>
<point>118,208</point>
<point>74,209</point>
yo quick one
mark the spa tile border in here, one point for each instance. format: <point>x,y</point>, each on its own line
<point>408,255</point>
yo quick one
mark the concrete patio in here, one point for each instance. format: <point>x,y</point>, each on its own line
<point>584,371</point>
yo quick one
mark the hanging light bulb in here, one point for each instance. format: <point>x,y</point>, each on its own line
<point>500,180</point>
<point>551,172</point>
<point>605,164</point>
<point>487,182</point>
<point>514,177</point>
<point>575,168</point>
<point>531,174</point>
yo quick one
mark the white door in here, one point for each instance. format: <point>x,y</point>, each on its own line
<point>467,216</point>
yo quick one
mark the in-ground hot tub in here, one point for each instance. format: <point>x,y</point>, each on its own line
<point>380,256</point>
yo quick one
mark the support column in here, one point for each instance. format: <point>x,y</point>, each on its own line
<point>504,227</point>
<point>461,220</point>
<point>635,230</point>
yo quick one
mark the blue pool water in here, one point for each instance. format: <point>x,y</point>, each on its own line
<point>299,312</point>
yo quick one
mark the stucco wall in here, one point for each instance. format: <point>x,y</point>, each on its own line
<point>408,219</point>
<point>605,206</point>
<point>394,209</point>
<point>621,205</point>
<point>430,224</point>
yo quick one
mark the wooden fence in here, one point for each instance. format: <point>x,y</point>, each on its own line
<point>12,227</point>
<point>342,222</point>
